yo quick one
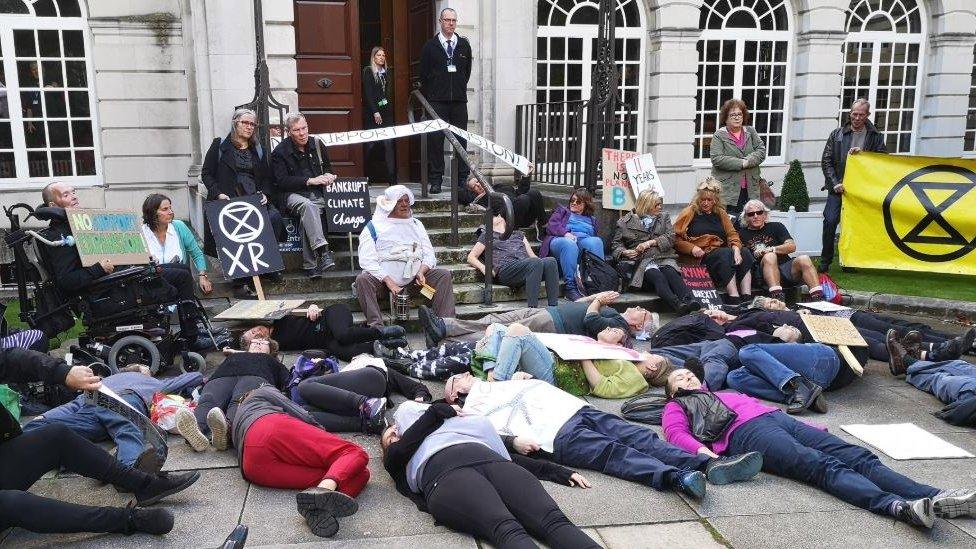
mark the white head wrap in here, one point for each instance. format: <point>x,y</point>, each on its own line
<point>387,201</point>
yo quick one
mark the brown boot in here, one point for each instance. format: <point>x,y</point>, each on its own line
<point>896,354</point>
<point>912,342</point>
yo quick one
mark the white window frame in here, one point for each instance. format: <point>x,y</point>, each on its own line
<point>893,37</point>
<point>971,109</point>
<point>588,33</point>
<point>741,36</point>
<point>9,23</point>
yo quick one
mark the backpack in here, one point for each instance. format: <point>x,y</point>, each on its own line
<point>309,364</point>
<point>831,292</point>
<point>594,275</point>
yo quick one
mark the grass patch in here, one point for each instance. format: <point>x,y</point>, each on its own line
<point>12,316</point>
<point>938,285</point>
<point>716,535</point>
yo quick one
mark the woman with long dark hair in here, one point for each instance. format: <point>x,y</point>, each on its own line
<point>571,232</point>
<point>378,108</point>
<point>170,241</point>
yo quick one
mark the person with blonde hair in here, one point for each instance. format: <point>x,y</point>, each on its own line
<point>704,231</point>
<point>378,109</point>
<point>645,238</point>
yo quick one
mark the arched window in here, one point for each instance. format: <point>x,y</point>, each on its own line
<point>47,112</point>
<point>744,51</point>
<point>881,64</point>
<point>969,139</point>
<point>567,50</point>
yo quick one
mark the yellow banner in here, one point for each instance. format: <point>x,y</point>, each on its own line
<point>911,213</point>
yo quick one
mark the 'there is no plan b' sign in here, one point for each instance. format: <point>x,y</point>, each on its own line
<point>346,205</point>
<point>245,241</point>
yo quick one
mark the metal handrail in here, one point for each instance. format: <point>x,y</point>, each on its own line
<point>460,154</point>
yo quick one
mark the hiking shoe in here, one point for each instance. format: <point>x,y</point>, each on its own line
<point>896,354</point>
<point>186,424</point>
<point>954,348</point>
<point>148,461</point>
<point>392,332</point>
<point>804,396</point>
<point>433,327</point>
<point>912,342</point>
<point>321,509</point>
<point>165,484</point>
<point>955,503</point>
<point>916,513</point>
<point>149,521</point>
<point>691,484</point>
<point>725,470</point>
<point>325,261</point>
<point>218,428</point>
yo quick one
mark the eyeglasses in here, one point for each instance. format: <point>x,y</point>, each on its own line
<point>754,214</point>
<point>449,20</point>
<point>247,123</point>
<point>735,115</point>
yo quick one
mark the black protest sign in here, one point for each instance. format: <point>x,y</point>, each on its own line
<point>701,286</point>
<point>346,205</point>
<point>245,242</point>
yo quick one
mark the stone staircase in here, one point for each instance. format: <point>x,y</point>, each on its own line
<point>435,213</point>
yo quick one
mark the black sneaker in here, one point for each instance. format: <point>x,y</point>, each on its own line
<point>149,521</point>
<point>321,509</point>
<point>691,484</point>
<point>148,461</point>
<point>382,351</point>
<point>313,273</point>
<point>726,470</point>
<point>804,397</point>
<point>236,539</point>
<point>954,348</point>
<point>916,513</point>
<point>165,484</point>
<point>392,332</point>
<point>325,262</point>
<point>955,503</point>
<point>433,327</point>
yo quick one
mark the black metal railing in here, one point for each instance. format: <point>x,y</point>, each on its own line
<point>418,104</point>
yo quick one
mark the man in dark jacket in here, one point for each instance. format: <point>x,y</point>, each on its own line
<point>24,457</point>
<point>859,134</point>
<point>73,279</point>
<point>445,67</point>
<point>301,167</point>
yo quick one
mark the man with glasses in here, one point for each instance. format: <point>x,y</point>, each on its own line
<point>445,68</point>
<point>772,244</point>
<point>858,134</point>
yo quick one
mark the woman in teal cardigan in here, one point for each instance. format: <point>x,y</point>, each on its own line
<point>170,241</point>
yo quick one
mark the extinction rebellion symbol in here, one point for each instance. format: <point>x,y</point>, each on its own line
<point>950,244</point>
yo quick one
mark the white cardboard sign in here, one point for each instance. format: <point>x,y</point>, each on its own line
<point>643,175</point>
<point>578,347</point>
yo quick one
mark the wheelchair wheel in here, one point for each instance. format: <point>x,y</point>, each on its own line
<point>134,349</point>
<point>193,362</point>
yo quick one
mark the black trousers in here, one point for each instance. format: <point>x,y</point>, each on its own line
<point>667,283</point>
<point>721,266</point>
<point>503,503</point>
<point>881,323</point>
<point>831,215</point>
<point>343,337</point>
<point>25,458</point>
<point>180,278</point>
<point>456,114</point>
<point>334,399</point>
<point>530,209</point>
<point>223,393</point>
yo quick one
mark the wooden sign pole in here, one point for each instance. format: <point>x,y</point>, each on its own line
<point>258,288</point>
<point>851,360</point>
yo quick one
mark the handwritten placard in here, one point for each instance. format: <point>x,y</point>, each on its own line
<point>115,235</point>
<point>643,175</point>
<point>346,205</point>
<point>701,286</point>
<point>269,309</point>
<point>833,330</point>
<point>617,194</point>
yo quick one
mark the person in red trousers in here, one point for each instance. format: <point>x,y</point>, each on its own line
<point>280,445</point>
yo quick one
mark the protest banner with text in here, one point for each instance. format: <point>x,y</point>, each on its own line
<point>643,175</point>
<point>115,235</point>
<point>617,194</point>
<point>701,285</point>
<point>346,205</point>
<point>245,242</point>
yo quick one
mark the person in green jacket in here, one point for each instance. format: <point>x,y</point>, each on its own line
<point>736,152</point>
<point>170,241</point>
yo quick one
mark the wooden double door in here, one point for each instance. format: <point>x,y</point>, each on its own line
<point>333,40</point>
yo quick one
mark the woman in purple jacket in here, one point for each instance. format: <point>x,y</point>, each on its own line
<point>698,420</point>
<point>570,231</point>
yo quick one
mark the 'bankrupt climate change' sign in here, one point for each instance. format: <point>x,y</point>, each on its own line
<point>346,205</point>
<point>115,235</point>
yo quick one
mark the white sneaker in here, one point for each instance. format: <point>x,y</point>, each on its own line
<point>218,428</point>
<point>955,503</point>
<point>186,424</point>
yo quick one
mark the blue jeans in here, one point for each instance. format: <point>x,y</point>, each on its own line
<point>603,442</point>
<point>717,358</point>
<point>525,353</point>
<point>568,252</point>
<point>793,449</point>
<point>767,367</point>
<point>949,381</point>
<point>98,424</point>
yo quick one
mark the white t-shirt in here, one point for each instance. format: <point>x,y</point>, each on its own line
<point>170,251</point>
<point>525,408</point>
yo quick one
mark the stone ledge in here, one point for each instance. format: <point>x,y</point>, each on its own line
<point>944,309</point>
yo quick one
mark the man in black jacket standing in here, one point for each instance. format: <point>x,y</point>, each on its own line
<point>445,67</point>
<point>859,134</point>
<point>301,167</point>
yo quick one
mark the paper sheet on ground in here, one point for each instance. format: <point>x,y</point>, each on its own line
<point>269,309</point>
<point>905,441</point>
<point>577,347</point>
<point>824,306</point>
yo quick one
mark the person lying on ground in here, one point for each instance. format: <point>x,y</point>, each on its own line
<point>699,420</point>
<point>239,373</point>
<point>575,434</point>
<point>493,495</point>
<point>515,265</point>
<point>588,316</point>
<point>35,340</point>
<point>280,445</point>
<point>439,362</point>
<point>331,329</point>
<point>99,424</point>
<point>528,205</point>
<point>25,457</point>
<point>354,399</point>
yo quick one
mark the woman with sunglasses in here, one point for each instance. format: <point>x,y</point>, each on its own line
<point>736,152</point>
<point>458,469</point>
<point>237,166</point>
<point>571,232</point>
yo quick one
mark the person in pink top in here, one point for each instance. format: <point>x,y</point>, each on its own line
<point>698,420</point>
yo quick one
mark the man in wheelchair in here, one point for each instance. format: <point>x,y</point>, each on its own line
<point>75,280</point>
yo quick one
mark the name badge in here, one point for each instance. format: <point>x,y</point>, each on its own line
<point>383,102</point>
<point>451,68</point>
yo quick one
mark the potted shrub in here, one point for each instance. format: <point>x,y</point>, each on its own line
<point>792,210</point>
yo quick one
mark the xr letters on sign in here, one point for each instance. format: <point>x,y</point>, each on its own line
<point>245,242</point>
